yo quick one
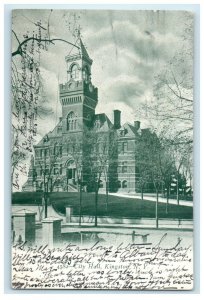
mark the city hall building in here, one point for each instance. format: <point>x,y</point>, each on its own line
<point>55,165</point>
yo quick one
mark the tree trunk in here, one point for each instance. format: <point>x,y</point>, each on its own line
<point>177,188</point>
<point>45,196</point>
<point>142,198</point>
<point>45,199</point>
<point>142,193</point>
<point>96,204</point>
<point>156,212</point>
<point>80,203</point>
<point>167,199</point>
<point>106,195</point>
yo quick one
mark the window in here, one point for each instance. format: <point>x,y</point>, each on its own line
<point>119,184</point>
<point>74,72</point>
<point>71,122</point>
<point>124,167</point>
<point>100,184</point>
<point>59,129</point>
<point>119,147</point>
<point>124,184</point>
<point>46,139</point>
<point>58,150</point>
<point>125,147</point>
<point>97,124</point>
<point>56,169</point>
<point>47,170</point>
<point>60,171</point>
<point>41,171</point>
<point>46,151</point>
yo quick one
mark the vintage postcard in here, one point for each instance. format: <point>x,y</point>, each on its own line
<point>102,149</point>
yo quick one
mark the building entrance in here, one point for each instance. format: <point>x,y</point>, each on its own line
<point>71,172</point>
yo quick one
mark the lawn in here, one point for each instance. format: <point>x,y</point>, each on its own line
<point>117,206</point>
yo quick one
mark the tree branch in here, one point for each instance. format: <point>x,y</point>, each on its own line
<point>19,49</point>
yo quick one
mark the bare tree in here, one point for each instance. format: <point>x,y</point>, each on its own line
<point>107,155</point>
<point>170,111</point>
<point>46,166</point>
<point>101,149</point>
<point>75,150</point>
<point>27,88</point>
<point>148,162</point>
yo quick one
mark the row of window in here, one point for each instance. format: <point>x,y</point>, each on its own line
<point>43,153</point>
<point>121,184</point>
<point>57,150</point>
<point>56,170</point>
<point>75,72</point>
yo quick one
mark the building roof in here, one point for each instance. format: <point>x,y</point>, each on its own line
<point>51,134</point>
<point>127,130</point>
<point>83,50</point>
<point>105,123</point>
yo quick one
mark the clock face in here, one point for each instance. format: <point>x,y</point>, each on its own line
<point>71,85</point>
<point>90,87</point>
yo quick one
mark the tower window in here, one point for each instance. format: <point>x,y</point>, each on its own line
<point>71,122</point>
<point>74,72</point>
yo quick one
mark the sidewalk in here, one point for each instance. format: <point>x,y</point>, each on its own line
<point>124,228</point>
<point>151,198</point>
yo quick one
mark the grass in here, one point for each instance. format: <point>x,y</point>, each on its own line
<point>117,206</point>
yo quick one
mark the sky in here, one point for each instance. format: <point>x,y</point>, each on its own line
<point>128,49</point>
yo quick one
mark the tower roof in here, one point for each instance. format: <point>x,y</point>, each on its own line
<point>83,50</point>
<point>79,50</point>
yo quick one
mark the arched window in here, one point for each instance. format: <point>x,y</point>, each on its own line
<point>124,184</point>
<point>71,122</point>
<point>74,72</point>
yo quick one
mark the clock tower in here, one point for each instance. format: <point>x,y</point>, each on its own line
<point>78,96</point>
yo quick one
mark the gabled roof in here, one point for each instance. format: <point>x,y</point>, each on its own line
<point>129,130</point>
<point>51,134</point>
<point>105,123</point>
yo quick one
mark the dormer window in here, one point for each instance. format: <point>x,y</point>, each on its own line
<point>123,132</point>
<point>97,124</point>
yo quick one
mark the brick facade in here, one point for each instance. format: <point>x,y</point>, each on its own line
<point>54,166</point>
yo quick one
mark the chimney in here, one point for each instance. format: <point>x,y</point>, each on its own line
<point>137,125</point>
<point>117,118</point>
